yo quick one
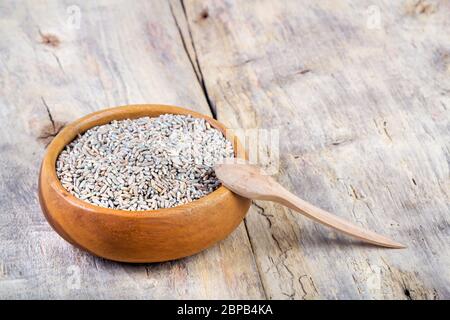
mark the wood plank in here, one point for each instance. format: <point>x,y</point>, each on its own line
<point>52,73</point>
<point>359,92</point>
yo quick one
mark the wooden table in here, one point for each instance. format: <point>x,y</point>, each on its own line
<point>358,90</point>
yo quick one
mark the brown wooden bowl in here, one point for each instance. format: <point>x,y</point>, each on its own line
<point>136,236</point>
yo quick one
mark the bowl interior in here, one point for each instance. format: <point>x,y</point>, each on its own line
<point>105,116</point>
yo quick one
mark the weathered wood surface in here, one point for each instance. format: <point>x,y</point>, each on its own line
<point>361,105</point>
<point>124,52</point>
<point>362,112</point>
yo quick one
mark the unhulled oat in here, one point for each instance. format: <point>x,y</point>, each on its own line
<point>145,163</point>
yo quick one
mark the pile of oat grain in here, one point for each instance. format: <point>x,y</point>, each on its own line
<point>145,163</point>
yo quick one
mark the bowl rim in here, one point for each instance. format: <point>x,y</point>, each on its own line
<point>70,131</point>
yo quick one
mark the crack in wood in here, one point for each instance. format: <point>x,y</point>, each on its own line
<point>200,77</point>
<point>354,193</point>
<point>58,62</point>
<point>282,260</point>
<point>303,71</point>
<point>386,132</point>
<point>262,211</point>
<point>183,42</point>
<point>48,133</point>
<point>302,285</point>
<point>48,112</point>
<point>258,268</point>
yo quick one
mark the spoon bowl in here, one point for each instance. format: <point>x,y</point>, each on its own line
<point>239,176</point>
<point>136,236</point>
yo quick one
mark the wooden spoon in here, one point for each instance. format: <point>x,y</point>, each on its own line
<point>249,181</point>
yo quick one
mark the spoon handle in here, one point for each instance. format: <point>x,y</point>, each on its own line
<point>288,199</point>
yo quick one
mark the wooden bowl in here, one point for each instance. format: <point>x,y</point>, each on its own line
<point>136,236</point>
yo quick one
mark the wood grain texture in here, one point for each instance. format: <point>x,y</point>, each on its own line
<point>361,105</point>
<point>51,74</point>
